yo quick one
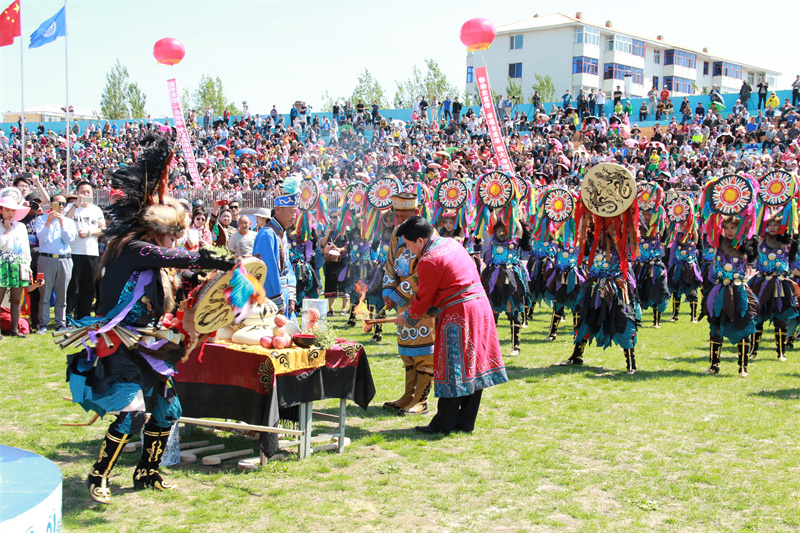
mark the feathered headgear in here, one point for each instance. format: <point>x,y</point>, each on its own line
<point>142,199</point>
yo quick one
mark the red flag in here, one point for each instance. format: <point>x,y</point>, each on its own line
<point>9,24</point>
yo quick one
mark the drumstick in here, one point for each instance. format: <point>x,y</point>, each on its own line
<point>77,424</point>
<point>190,456</point>
<point>211,460</point>
<point>372,321</point>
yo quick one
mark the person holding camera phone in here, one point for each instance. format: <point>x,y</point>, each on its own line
<point>15,254</point>
<point>89,223</point>
<point>56,232</point>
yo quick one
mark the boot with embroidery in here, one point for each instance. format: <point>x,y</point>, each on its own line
<point>780,343</point>
<point>744,353</point>
<point>147,473</point>
<point>630,360</point>
<point>410,381</point>
<point>97,482</point>
<point>577,355</point>
<point>676,308</point>
<point>715,349</point>
<point>757,340</point>
<point>422,388</point>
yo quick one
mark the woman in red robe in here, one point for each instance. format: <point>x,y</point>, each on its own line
<point>467,357</point>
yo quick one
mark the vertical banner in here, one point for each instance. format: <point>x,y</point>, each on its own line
<point>183,135</point>
<point>492,124</point>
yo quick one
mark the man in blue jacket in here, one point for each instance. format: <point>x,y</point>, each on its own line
<point>271,245</point>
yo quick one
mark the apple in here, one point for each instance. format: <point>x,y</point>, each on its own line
<point>311,325</point>
<point>280,321</point>
<point>288,340</point>
<point>279,343</point>
<point>266,341</point>
<point>313,315</point>
<point>278,331</point>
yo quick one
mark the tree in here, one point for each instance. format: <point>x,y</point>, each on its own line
<point>544,86</point>
<point>209,93</point>
<point>514,90</point>
<point>368,90</point>
<point>434,84</point>
<point>328,101</point>
<point>121,98</point>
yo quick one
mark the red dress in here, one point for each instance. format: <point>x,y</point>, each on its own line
<point>467,355</point>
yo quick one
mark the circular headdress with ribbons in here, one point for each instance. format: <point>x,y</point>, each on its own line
<point>555,212</point>
<point>353,203</point>
<point>379,198</point>
<point>730,195</point>
<point>451,195</point>
<point>608,198</point>
<point>681,216</point>
<point>650,197</point>
<point>496,191</point>
<point>313,208</point>
<point>777,197</point>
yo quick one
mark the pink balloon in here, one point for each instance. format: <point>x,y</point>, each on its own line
<point>478,34</point>
<point>169,51</point>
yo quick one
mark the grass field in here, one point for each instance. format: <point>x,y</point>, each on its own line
<point>555,449</point>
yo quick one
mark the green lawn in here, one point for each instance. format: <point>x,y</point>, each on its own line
<point>555,449</point>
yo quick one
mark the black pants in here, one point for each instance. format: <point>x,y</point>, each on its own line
<point>81,290</point>
<point>762,99</point>
<point>457,414</point>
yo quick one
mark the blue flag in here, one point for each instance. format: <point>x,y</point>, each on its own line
<point>50,29</point>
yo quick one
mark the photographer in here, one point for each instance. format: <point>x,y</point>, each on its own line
<point>55,232</point>
<point>89,223</point>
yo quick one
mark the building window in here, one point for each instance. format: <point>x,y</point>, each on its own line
<point>723,68</point>
<point>516,42</point>
<point>657,57</point>
<point>678,85</point>
<point>655,82</point>
<point>587,36</point>
<point>470,74</point>
<point>772,81</point>
<point>626,45</point>
<point>584,65</point>
<point>515,70</point>
<point>615,71</point>
<point>751,78</point>
<point>680,58</point>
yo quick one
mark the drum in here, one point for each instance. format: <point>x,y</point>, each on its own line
<point>211,309</point>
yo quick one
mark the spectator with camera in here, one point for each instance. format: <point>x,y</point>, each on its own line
<point>89,224</point>
<point>56,233</point>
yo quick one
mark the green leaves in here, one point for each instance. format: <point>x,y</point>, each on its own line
<point>122,99</point>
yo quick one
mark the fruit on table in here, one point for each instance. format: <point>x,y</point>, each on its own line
<point>267,341</point>
<point>280,320</point>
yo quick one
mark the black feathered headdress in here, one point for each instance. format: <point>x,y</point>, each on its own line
<point>143,185</point>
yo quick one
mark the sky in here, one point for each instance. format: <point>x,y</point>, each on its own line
<point>275,52</point>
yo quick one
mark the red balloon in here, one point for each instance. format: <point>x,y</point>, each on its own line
<point>477,34</point>
<point>169,51</point>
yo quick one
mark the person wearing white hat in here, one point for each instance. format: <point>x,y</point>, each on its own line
<point>263,216</point>
<point>15,253</point>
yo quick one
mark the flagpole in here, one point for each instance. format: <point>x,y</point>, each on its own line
<point>22,92</point>
<point>66,73</point>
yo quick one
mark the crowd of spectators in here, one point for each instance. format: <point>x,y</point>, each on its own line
<point>357,142</point>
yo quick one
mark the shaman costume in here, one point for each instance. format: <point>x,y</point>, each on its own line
<point>301,255</point>
<point>776,292</point>
<point>649,269</point>
<point>607,302</point>
<point>359,268</point>
<point>135,292</point>
<point>380,251</point>
<point>506,282</point>
<point>415,343</point>
<point>467,357</point>
<point>683,276</point>
<point>730,303</point>
<point>563,281</point>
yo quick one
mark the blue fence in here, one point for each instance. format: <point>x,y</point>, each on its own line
<point>405,114</point>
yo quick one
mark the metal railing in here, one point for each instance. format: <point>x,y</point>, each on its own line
<point>250,200</point>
